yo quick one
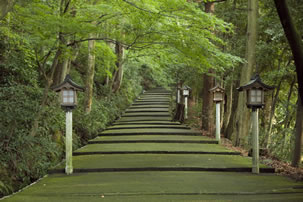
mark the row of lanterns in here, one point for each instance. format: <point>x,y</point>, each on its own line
<point>255,89</point>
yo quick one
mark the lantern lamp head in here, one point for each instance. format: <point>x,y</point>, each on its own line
<point>255,89</point>
<point>185,91</point>
<point>68,95</point>
<point>218,93</point>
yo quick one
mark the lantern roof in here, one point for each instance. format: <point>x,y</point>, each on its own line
<point>69,84</point>
<point>255,82</point>
<point>217,88</point>
<point>186,88</point>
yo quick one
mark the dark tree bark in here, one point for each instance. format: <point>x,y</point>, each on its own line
<point>296,45</point>
<point>208,83</point>
<point>118,76</point>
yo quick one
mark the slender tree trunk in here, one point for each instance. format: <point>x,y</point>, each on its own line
<point>298,135</point>
<point>272,113</point>
<point>62,66</point>
<point>296,45</point>
<point>229,104</point>
<point>5,7</point>
<point>118,76</point>
<point>90,73</point>
<point>208,83</point>
<point>242,114</point>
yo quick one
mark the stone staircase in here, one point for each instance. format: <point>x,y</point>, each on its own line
<point>144,156</point>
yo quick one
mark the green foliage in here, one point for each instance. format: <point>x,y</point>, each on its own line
<point>25,158</point>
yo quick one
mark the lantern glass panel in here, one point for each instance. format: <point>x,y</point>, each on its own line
<point>256,96</point>
<point>185,92</point>
<point>218,96</point>
<point>68,96</point>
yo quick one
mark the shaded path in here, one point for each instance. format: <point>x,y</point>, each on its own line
<point>146,157</point>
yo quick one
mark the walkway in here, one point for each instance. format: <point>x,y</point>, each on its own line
<point>145,156</point>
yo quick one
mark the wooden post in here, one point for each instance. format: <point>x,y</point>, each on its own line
<point>218,135</point>
<point>255,141</point>
<point>69,142</point>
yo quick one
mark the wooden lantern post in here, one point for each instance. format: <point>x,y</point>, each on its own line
<point>255,99</point>
<point>68,99</point>
<point>218,93</point>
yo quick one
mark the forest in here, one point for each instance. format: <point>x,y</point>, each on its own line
<point>117,48</point>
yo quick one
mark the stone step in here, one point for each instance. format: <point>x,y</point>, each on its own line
<point>150,114</point>
<point>140,122</point>
<point>135,119</point>
<point>146,110</point>
<point>154,137</point>
<point>163,162</point>
<point>176,148</point>
<point>149,107</point>
<point>151,131</point>
<point>165,104</point>
<point>119,127</point>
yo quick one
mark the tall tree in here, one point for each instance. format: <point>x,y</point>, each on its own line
<point>89,80</point>
<point>241,129</point>
<point>296,45</point>
<point>208,83</point>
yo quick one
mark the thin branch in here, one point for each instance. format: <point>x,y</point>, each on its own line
<point>90,39</point>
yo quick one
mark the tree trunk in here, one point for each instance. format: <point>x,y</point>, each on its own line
<point>296,46</point>
<point>232,122</point>
<point>272,113</point>
<point>208,83</point>
<point>90,73</point>
<point>229,104</point>
<point>242,123</point>
<point>5,7</point>
<point>298,137</point>
<point>118,76</point>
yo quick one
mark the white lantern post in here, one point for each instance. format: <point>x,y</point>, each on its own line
<point>178,92</point>
<point>255,100</point>
<point>218,93</point>
<point>68,99</point>
<point>185,93</point>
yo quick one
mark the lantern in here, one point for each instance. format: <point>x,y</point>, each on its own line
<point>185,91</point>
<point>67,90</point>
<point>255,92</point>
<point>218,93</point>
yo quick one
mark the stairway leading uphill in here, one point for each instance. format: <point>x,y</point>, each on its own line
<point>146,139</point>
<point>145,156</point>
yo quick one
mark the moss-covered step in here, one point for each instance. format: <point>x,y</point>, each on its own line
<point>161,186</point>
<point>132,119</point>
<point>149,114</point>
<point>146,123</point>
<point>154,97</point>
<point>152,100</point>
<point>167,162</point>
<point>142,126</point>
<point>150,103</point>
<point>157,93</point>
<point>152,137</point>
<point>155,131</point>
<point>149,107</point>
<point>156,148</point>
<point>147,110</point>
